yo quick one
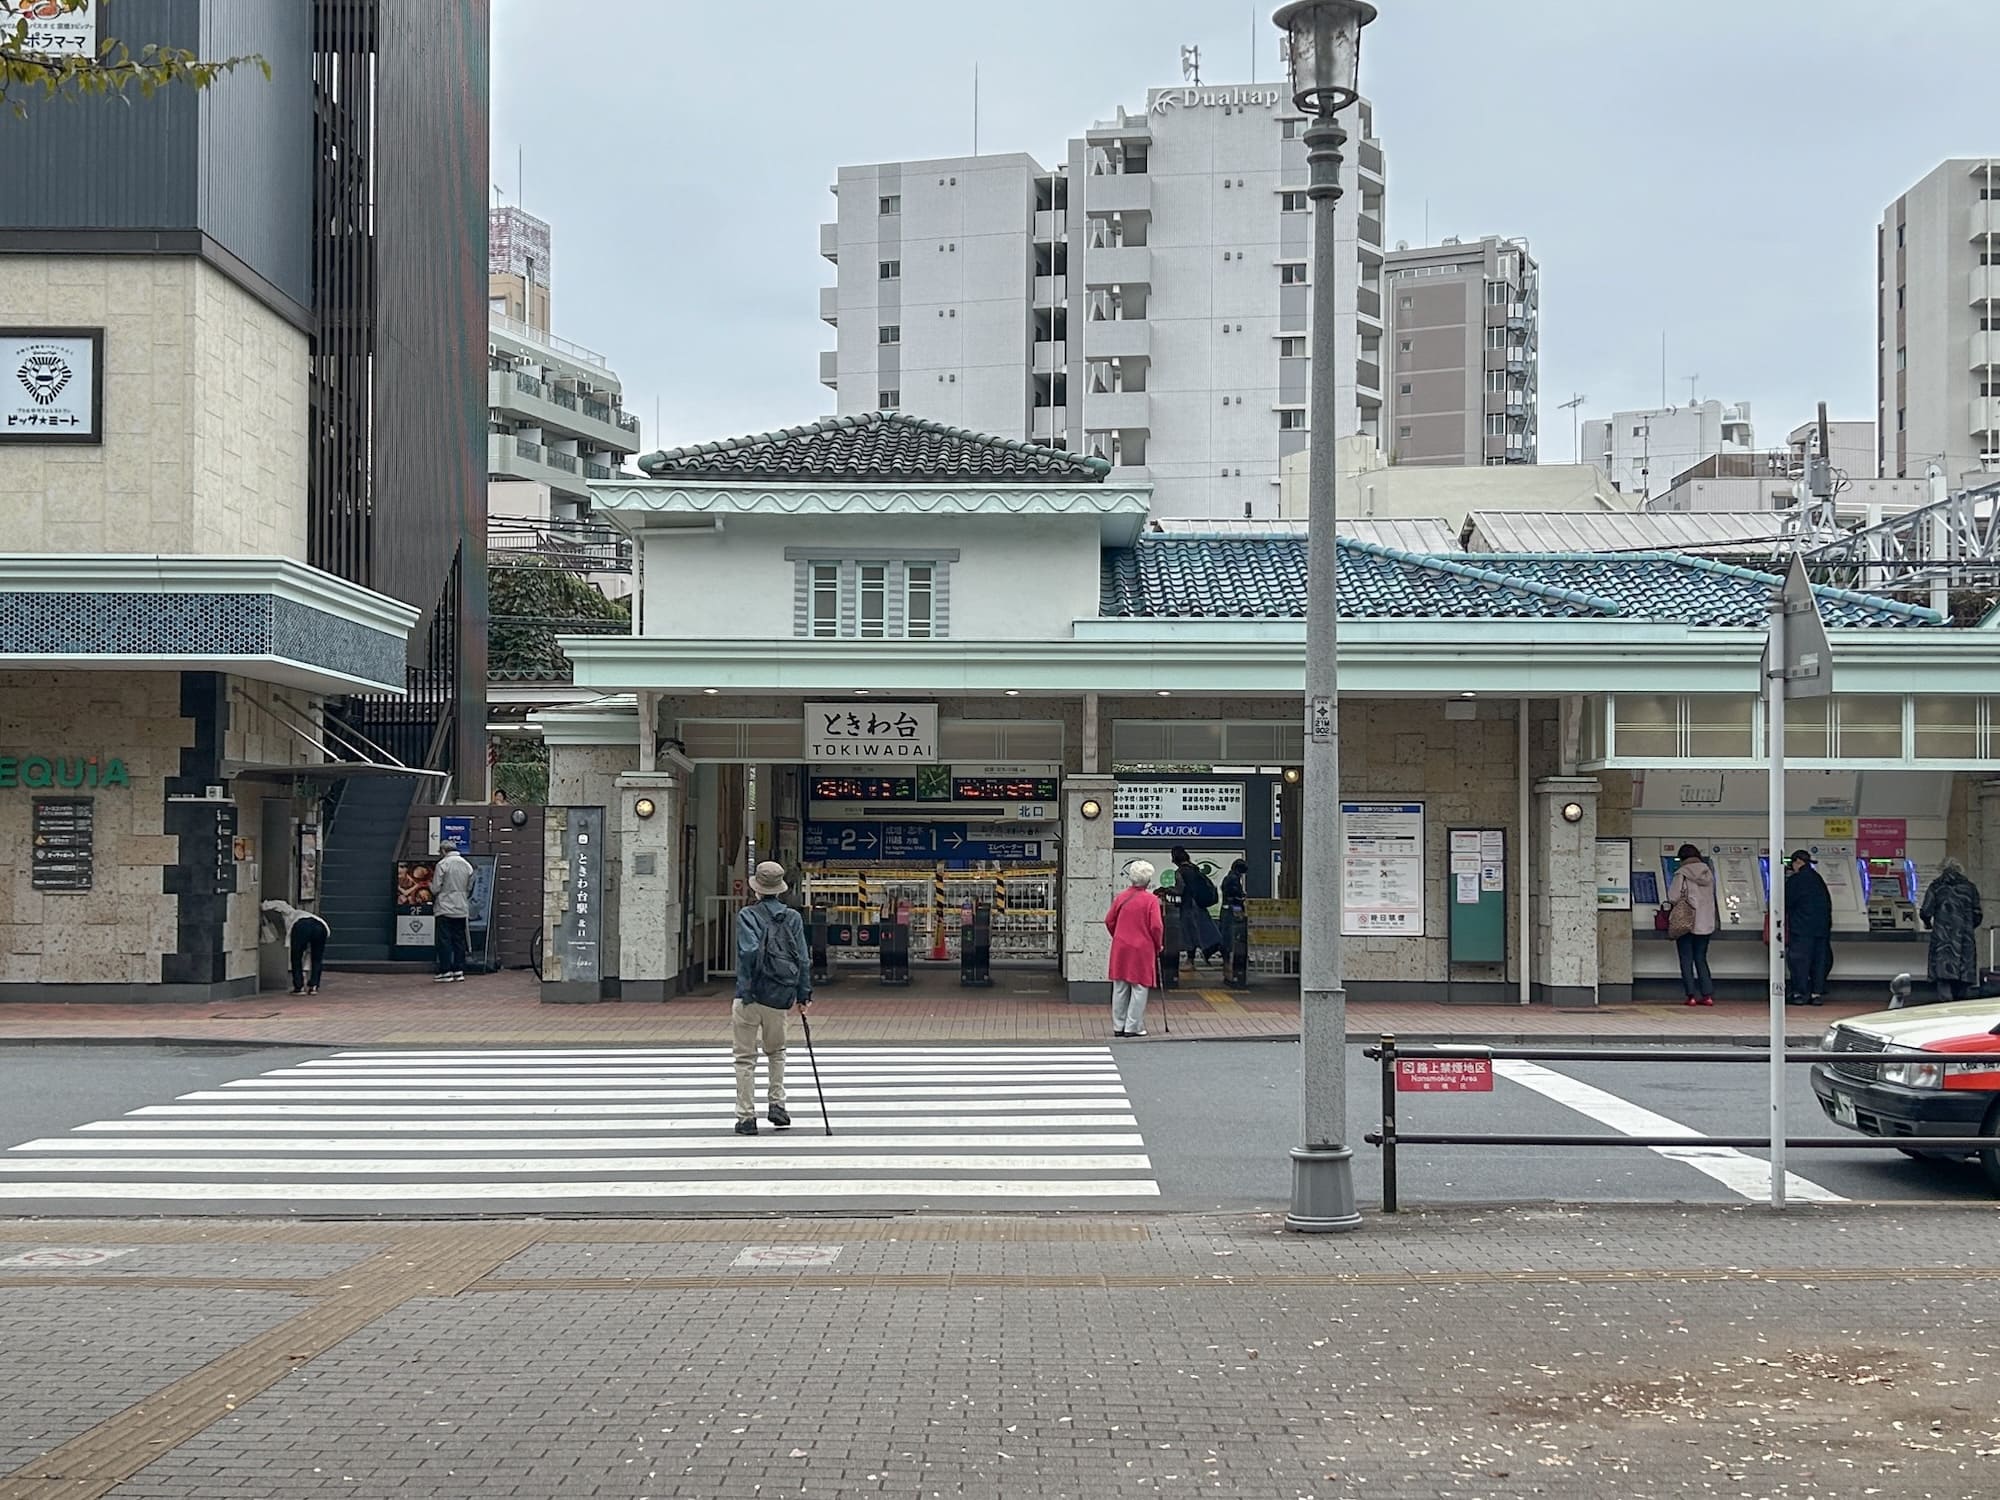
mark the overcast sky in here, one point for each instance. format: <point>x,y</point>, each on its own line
<point>1711,168</point>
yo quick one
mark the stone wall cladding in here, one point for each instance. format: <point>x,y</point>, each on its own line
<point>205,415</point>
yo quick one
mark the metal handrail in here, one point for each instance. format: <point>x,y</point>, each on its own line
<point>1387,1051</point>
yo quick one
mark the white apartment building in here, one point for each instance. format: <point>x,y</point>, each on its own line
<point>1146,301</point>
<point>1644,451</point>
<point>1937,329</point>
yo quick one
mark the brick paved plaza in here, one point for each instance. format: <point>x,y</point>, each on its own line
<point>1480,1352</point>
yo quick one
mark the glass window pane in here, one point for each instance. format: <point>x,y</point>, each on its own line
<point>825,600</point>
<point>1805,729</point>
<point>917,601</point>
<point>1870,727</point>
<point>1948,728</point>
<point>874,599</point>
<point>1648,726</point>
<point>1720,726</point>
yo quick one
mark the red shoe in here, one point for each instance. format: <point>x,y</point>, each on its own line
<point>1708,999</point>
<point>1692,1001</point>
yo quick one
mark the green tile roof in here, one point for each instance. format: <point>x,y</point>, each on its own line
<point>1264,578</point>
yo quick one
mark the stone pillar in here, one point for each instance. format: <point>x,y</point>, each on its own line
<point>1089,881</point>
<point>1563,931</point>
<point>1981,849</point>
<point>649,928</point>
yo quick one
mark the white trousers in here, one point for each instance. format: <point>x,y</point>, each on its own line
<point>1128,1005</point>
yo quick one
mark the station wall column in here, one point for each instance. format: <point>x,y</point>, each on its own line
<point>1089,881</point>
<point>649,930</point>
<point>1982,850</point>
<point>1563,912</point>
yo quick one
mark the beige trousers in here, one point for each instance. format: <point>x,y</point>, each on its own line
<point>749,1025</point>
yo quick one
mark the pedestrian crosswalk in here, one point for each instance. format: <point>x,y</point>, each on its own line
<point>911,1126</point>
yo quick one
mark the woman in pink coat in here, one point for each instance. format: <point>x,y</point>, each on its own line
<point>1136,934</point>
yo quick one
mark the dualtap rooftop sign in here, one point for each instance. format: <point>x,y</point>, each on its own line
<point>1197,98</point>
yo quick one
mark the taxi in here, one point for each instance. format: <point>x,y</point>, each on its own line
<point>1919,1091</point>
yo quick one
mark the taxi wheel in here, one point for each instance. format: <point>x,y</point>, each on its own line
<point>1989,1161</point>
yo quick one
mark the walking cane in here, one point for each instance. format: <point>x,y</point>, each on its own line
<point>811,1057</point>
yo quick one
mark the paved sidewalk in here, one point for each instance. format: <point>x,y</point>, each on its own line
<point>1562,1353</point>
<point>1023,1006</point>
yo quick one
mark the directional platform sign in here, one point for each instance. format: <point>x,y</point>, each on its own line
<point>927,842</point>
<point>1808,664</point>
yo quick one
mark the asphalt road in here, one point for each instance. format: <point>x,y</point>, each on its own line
<point>1150,1125</point>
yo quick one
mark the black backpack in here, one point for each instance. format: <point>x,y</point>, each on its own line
<point>779,967</point>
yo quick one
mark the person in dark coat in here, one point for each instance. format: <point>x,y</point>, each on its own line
<point>1196,893</point>
<point>1952,911</point>
<point>1808,930</point>
<point>1235,892</point>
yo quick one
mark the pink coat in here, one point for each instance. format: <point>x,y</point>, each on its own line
<point>1136,935</point>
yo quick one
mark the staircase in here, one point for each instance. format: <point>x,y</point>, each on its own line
<point>358,869</point>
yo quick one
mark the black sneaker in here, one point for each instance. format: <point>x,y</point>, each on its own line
<point>779,1116</point>
<point>746,1127</point>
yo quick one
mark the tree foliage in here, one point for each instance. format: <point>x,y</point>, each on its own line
<point>529,603</point>
<point>35,62</point>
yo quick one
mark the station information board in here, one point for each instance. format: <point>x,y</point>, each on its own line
<point>863,789</point>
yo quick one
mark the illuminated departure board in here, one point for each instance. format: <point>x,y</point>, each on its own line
<point>1003,789</point>
<point>864,789</point>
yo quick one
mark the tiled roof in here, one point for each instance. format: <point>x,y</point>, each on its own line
<point>1264,578</point>
<point>882,447</point>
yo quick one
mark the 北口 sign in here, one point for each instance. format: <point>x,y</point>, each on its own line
<point>51,385</point>
<point>871,733</point>
<point>1444,1075</point>
<point>1178,810</point>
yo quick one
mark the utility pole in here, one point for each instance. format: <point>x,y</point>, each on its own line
<point>1573,407</point>
<point>1693,382</point>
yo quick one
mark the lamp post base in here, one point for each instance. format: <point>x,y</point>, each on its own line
<point>1322,1191</point>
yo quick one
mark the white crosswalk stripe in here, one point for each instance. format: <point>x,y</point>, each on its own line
<point>1033,1126</point>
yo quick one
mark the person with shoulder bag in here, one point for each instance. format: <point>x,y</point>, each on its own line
<point>1692,918</point>
<point>773,975</point>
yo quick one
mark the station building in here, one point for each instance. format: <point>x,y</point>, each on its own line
<point>921,666</point>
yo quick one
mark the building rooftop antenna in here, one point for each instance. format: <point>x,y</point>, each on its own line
<point>1191,65</point>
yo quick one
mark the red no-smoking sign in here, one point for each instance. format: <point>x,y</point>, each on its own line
<point>1444,1075</point>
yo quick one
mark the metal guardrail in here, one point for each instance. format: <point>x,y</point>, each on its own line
<point>1389,1137</point>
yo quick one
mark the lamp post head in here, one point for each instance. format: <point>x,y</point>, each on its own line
<point>1323,51</point>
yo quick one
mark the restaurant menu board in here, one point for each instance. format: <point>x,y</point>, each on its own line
<point>1382,860</point>
<point>65,844</point>
<point>416,920</point>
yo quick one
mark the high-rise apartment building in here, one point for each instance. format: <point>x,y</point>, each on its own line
<point>518,251</point>
<point>1146,301</point>
<point>1644,451</point>
<point>1937,325</point>
<point>1464,324</point>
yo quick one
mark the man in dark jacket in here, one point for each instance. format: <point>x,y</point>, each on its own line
<point>1235,894</point>
<point>1808,930</point>
<point>1952,911</point>
<point>1196,892</point>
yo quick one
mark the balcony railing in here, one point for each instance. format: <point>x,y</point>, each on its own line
<point>1367,375</point>
<point>1368,302</point>
<point>629,423</point>
<point>529,449</point>
<point>597,471</point>
<point>602,410</point>
<point>1370,156</point>
<point>1370,229</point>
<point>555,458</point>
<point>516,329</point>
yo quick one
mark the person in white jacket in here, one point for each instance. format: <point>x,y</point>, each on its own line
<point>451,905</point>
<point>306,934</point>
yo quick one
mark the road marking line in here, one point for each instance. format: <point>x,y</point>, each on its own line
<point>547,1123</point>
<point>725,1142</point>
<point>768,1159</point>
<point>637,1078</point>
<point>950,1054</point>
<point>1741,1173</point>
<point>834,1187</point>
<point>873,1106</point>
<point>846,1091</point>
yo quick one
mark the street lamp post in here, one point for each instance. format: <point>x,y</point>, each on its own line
<point>1323,39</point>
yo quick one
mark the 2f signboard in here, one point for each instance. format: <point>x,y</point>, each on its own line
<point>871,733</point>
<point>1444,1075</point>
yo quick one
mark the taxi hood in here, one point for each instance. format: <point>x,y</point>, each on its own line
<point>1928,1025</point>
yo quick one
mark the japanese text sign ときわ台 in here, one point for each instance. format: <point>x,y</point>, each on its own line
<point>871,732</point>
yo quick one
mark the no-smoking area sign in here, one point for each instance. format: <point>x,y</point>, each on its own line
<point>1444,1075</point>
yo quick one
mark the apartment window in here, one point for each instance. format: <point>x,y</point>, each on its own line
<point>1900,414</point>
<point>918,590</point>
<point>824,600</point>
<point>1496,293</point>
<point>872,613</point>
<point>1292,203</point>
<point>1496,381</point>
<point>888,400</point>
<point>1989,257</point>
<point>1291,276</point>
<point>1496,338</point>
<point>1496,425</point>
<point>1989,192</point>
<point>1403,431</point>
<point>1403,389</point>
<point>1899,236</point>
<point>1289,129</point>
<point>1990,323</point>
<point>1902,359</point>
<point>893,204</point>
<point>1404,304</point>
<point>1901,292</point>
<point>1402,346</point>
<point>889,333</point>
<point>1291,421</point>
<point>1989,387</point>
<point>1291,348</point>
<point>889,270</point>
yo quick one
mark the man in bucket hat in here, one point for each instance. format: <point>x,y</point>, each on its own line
<point>773,974</point>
